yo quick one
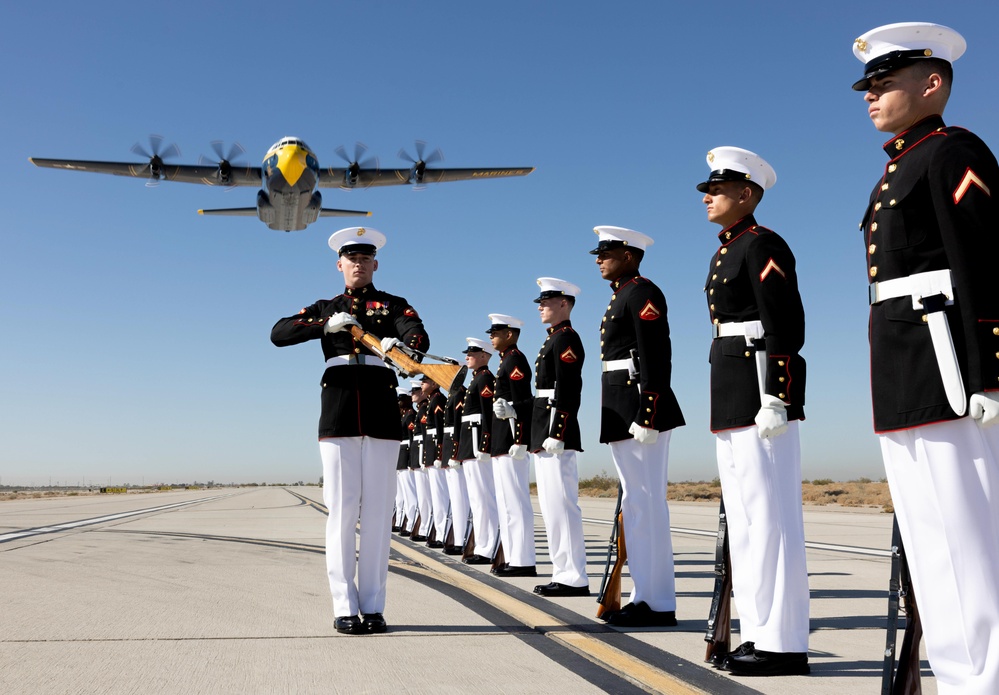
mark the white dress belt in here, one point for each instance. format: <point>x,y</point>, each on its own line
<point>449,430</point>
<point>548,393</point>
<point>614,365</point>
<point>751,330</point>
<point>369,360</point>
<point>917,286</point>
<point>475,417</point>
<point>417,437</point>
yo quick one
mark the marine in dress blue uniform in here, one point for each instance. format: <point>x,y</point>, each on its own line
<point>456,484</point>
<point>433,439</point>
<point>757,399</point>
<point>473,451</point>
<point>512,407</point>
<point>638,412</point>
<point>931,237</point>
<point>555,439</point>
<point>359,426</point>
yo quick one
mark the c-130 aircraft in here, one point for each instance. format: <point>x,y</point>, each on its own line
<point>289,177</point>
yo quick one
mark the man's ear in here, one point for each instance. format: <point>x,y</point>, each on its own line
<point>932,84</point>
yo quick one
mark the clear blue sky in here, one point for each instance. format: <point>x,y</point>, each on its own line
<point>136,333</point>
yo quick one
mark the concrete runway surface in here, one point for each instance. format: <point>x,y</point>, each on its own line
<point>224,591</point>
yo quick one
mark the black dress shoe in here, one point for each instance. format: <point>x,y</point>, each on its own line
<point>556,589</point>
<point>509,570</point>
<point>404,533</point>
<point>478,560</point>
<point>396,529</point>
<point>721,661</point>
<point>452,550</point>
<point>374,623</point>
<point>640,615</point>
<point>416,538</point>
<point>348,625</point>
<point>436,545</point>
<point>761,663</point>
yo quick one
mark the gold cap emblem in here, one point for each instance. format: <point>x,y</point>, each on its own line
<point>861,45</point>
<point>711,157</point>
<point>360,231</point>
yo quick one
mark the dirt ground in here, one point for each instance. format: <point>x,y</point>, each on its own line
<point>854,493</point>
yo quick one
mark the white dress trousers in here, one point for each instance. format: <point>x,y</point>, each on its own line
<point>408,480</point>
<point>558,497</point>
<point>458,493</point>
<point>400,499</point>
<point>643,469</point>
<point>482,500</point>
<point>516,515</point>
<point>944,481</point>
<point>424,501</point>
<point>358,483</point>
<point>761,484</point>
<point>441,501</point>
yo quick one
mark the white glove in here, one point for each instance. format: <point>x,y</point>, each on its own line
<point>339,322</point>
<point>389,343</point>
<point>984,407</point>
<point>772,418</point>
<point>643,435</point>
<point>553,446</point>
<point>482,457</point>
<point>453,463</point>
<point>518,451</point>
<point>503,410</point>
<point>438,464</point>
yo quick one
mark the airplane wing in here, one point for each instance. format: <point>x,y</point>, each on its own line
<point>335,177</point>
<point>185,173</point>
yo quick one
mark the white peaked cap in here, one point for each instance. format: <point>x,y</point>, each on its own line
<point>553,287</point>
<point>478,345</point>
<point>357,240</point>
<point>613,237</point>
<point>737,164</point>
<point>503,321</point>
<point>894,46</point>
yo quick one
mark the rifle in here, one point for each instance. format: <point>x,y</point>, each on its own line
<point>469,548</point>
<point>719,633</point>
<point>905,680</point>
<point>499,559</point>
<point>445,375</point>
<point>609,599</point>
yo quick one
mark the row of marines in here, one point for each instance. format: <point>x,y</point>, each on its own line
<point>930,231</point>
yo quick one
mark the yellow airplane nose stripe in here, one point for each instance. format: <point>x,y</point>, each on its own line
<point>291,163</point>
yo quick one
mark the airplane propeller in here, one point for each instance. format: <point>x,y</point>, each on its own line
<point>156,156</point>
<point>419,168</point>
<point>355,164</point>
<point>224,163</point>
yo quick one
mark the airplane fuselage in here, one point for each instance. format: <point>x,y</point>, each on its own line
<point>289,200</point>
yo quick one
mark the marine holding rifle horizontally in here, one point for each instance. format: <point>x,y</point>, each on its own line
<point>359,424</point>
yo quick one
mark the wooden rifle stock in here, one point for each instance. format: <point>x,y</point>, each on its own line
<point>905,679</point>
<point>610,593</point>
<point>719,633</point>
<point>446,376</point>
<point>499,559</point>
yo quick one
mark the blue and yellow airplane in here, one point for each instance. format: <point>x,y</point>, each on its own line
<point>290,175</point>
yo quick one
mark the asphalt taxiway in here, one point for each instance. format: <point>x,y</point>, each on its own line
<point>217,591</point>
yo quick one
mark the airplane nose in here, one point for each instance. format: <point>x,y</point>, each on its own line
<point>291,163</point>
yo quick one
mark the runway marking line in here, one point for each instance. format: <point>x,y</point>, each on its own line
<point>639,672</point>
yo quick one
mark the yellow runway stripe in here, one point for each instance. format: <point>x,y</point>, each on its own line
<point>640,673</point>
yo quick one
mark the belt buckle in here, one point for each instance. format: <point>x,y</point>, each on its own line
<point>715,330</point>
<point>872,293</point>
